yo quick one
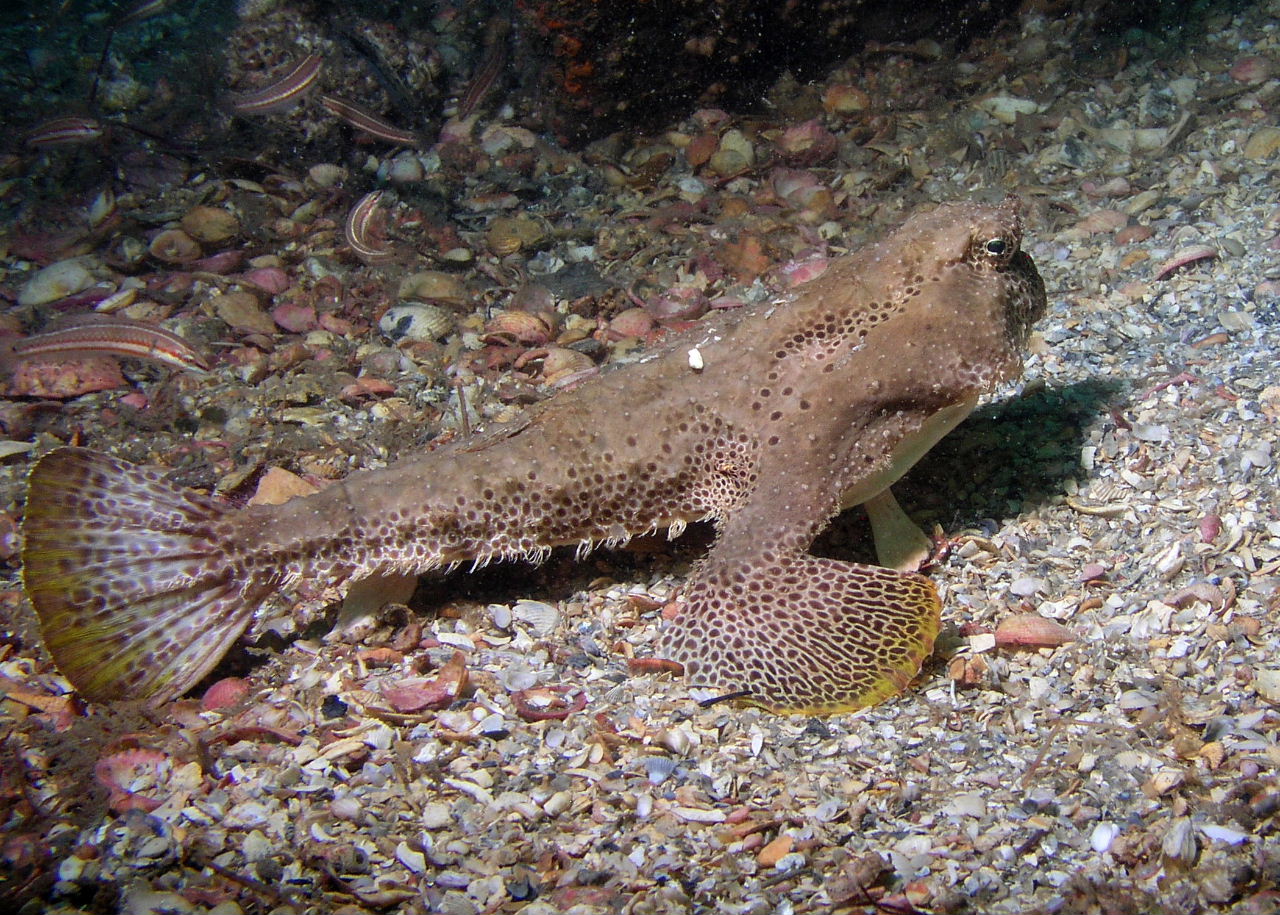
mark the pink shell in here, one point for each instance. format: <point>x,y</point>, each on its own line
<point>797,272</point>
<point>225,693</point>
<point>710,117</point>
<point>419,694</point>
<point>65,378</point>
<point>1094,571</point>
<point>1185,256</point>
<point>1210,526</point>
<point>548,703</point>
<point>269,279</point>
<point>794,185</point>
<point>221,264</point>
<point>129,773</point>
<point>634,322</point>
<point>681,302</point>
<point>1251,70</point>
<point>1134,233</point>
<point>807,144</point>
<point>295,318</point>
<point>336,325</point>
<point>1030,630</point>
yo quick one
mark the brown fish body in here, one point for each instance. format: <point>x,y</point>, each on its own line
<point>766,421</point>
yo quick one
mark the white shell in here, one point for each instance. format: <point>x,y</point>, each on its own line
<point>1006,108</point>
<point>416,322</point>
<point>57,281</point>
<point>541,619</point>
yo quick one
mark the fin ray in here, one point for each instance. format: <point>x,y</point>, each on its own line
<point>137,595</point>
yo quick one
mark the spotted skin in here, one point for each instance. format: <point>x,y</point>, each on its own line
<point>786,412</point>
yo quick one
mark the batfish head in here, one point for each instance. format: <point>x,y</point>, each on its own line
<point>968,293</point>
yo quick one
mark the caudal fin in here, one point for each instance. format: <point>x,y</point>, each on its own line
<point>137,591</point>
<point>802,635</point>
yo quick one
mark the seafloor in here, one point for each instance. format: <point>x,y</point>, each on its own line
<point>1097,731</point>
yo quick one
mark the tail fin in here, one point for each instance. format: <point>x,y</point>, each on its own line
<point>137,592</point>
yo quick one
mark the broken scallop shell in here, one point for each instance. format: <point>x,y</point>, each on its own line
<point>561,364</point>
<point>210,225</point>
<point>734,155</point>
<point>434,286</point>
<point>416,322</point>
<point>540,618</point>
<point>174,246</point>
<point>1006,108</point>
<point>513,234</point>
<point>518,327</point>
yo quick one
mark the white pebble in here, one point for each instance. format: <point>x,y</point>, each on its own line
<point>983,641</point>
<point>1148,432</point>
<point>1133,699</point>
<point>1179,843</point>
<point>517,677</point>
<point>1266,682</point>
<point>71,868</point>
<point>436,816</point>
<point>1223,834</point>
<point>257,847</point>
<point>557,804</point>
<point>414,860</point>
<point>406,169</point>
<point>500,615</point>
<point>967,805</point>
<point>1025,587</point>
<point>1103,835</point>
<point>326,174</point>
<point>1255,457</point>
<point>139,900</point>
<point>456,640</point>
<point>659,768</point>
<point>345,808</point>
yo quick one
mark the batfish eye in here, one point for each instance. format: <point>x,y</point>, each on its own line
<point>997,247</point>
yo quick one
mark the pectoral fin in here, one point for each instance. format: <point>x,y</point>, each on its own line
<point>803,635</point>
<point>900,544</point>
